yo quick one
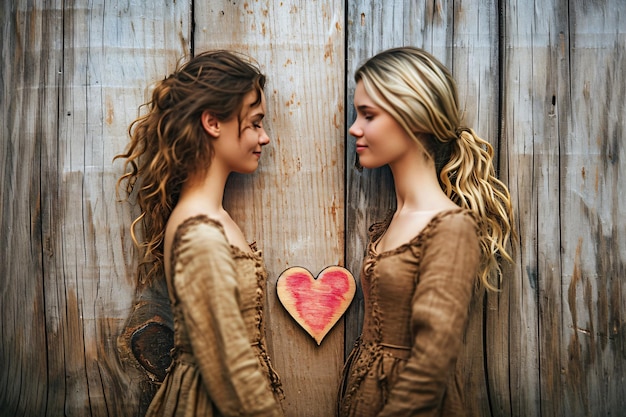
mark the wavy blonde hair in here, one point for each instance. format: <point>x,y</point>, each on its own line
<point>168,144</point>
<point>421,95</point>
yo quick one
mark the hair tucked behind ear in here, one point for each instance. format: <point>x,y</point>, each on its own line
<point>168,144</point>
<point>420,94</point>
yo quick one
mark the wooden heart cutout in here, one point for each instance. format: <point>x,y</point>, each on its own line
<point>316,303</point>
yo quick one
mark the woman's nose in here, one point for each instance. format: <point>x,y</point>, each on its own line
<point>264,139</point>
<point>355,130</point>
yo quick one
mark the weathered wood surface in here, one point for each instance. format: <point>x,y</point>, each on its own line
<point>563,105</point>
<point>530,154</point>
<point>543,82</point>
<point>464,36</point>
<point>594,259</point>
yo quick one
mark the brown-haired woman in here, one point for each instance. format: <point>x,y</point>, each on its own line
<point>203,122</point>
<point>451,225</point>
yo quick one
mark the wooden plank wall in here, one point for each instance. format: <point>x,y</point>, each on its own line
<point>563,104</point>
<point>542,81</point>
<point>594,261</point>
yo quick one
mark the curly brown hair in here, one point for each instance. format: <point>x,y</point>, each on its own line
<point>168,144</point>
<point>420,93</point>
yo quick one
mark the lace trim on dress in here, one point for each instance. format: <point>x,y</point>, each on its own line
<point>378,229</point>
<point>367,353</point>
<point>275,382</point>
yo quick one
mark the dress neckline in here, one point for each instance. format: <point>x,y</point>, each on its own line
<point>189,222</point>
<point>203,218</point>
<point>384,225</point>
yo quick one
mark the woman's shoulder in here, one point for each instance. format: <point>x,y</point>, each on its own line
<point>453,224</point>
<point>200,241</point>
<point>457,217</point>
<point>198,227</point>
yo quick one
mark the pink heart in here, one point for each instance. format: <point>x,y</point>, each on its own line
<point>316,303</point>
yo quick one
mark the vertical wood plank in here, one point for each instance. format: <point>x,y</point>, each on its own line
<point>463,35</point>
<point>536,74</point>
<point>564,89</point>
<point>473,46</point>
<point>29,64</point>
<point>111,51</point>
<point>293,205</point>
<point>593,227</point>
<point>518,164</point>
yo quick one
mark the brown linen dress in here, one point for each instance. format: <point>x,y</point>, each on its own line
<point>220,365</point>
<point>417,298</point>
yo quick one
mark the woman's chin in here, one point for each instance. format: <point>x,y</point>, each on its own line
<point>247,170</point>
<point>369,164</point>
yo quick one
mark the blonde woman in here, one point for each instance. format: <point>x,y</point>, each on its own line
<point>204,121</point>
<point>450,227</point>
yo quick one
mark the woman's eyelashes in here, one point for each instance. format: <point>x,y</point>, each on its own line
<point>366,116</point>
<point>258,123</point>
<point>364,112</point>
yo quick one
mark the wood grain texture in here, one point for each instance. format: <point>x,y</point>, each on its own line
<point>525,87</point>
<point>593,227</point>
<point>108,59</point>
<point>293,205</point>
<point>24,118</point>
<point>563,99</point>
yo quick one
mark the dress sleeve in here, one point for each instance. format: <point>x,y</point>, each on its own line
<point>207,290</point>
<point>439,314</point>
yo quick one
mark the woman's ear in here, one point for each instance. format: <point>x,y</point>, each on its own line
<point>210,124</point>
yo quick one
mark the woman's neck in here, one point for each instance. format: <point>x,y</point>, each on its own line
<point>417,187</point>
<point>207,190</point>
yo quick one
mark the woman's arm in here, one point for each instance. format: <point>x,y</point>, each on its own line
<point>438,319</point>
<point>207,288</point>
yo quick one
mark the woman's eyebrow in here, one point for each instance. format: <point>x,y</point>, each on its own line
<point>363,107</point>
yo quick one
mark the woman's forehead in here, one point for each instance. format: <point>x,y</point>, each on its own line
<point>252,105</point>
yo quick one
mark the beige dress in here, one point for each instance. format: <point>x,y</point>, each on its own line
<point>417,298</point>
<point>220,365</point>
